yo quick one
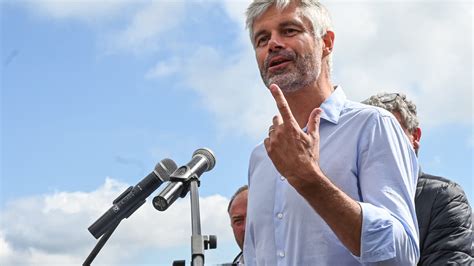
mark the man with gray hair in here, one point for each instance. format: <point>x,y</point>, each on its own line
<point>442,208</point>
<point>334,181</point>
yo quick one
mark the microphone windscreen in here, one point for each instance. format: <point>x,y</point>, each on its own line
<point>206,153</point>
<point>165,168</point>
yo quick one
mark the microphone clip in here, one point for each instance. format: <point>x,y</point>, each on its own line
<point>184,175</point>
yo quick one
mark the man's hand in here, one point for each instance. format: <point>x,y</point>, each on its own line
<point>294,153</point>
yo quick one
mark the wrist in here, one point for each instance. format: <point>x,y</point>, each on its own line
<point>312,181</point>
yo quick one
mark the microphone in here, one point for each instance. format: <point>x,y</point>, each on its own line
<point>133,197</point>
<point>203,160</point>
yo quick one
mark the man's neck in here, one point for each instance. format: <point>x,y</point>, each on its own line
<point>303,101</point>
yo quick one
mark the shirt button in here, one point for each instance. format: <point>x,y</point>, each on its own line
<point>280,215</point>
<point>282,178</point>
<point>281,254</point>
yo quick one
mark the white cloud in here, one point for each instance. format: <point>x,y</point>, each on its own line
<point>232,90</point>
<point>147,25</point>
<point>236,10</point>
<point>423,49</point>
<point>164,69</point>
<point>145,20</point>
<point>228,84</point>
<point>5,248</point>
<point>52,229</point>
<point>82,10</point>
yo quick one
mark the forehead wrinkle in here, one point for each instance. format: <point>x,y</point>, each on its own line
<point>299,20</point>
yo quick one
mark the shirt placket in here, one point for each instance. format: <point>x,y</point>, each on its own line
<point>279,220</point>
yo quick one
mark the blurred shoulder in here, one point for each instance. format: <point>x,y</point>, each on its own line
<point>366,111</point>
<point>440,185</point>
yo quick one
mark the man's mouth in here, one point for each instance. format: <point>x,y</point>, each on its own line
<point>278,63</point>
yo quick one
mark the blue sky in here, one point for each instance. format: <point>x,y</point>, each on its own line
<point>95,93</point>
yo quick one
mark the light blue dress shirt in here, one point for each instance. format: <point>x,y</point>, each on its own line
<point>365,153</point>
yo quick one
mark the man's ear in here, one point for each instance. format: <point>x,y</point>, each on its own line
<point>328,40</point>
<point>416,134</point>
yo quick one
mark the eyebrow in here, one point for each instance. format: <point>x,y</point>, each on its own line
<point>281,25</point>
<point>291,23</point>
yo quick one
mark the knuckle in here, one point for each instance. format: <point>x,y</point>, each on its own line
<point>275,136</point>
<point>275,119</point>
<point>274,140</point>
<point>283,106</point>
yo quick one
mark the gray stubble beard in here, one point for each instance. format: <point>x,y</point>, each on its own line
<point>306,72</point>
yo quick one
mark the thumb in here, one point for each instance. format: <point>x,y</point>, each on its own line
<point>313,122</point>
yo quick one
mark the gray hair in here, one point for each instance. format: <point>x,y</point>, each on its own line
<point>313,10</point>
<point>397,102</point>
<point>240,190</point>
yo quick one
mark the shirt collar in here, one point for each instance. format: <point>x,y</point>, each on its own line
<point>333,105</point>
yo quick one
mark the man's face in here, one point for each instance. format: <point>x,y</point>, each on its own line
<point>398,116</point>
<point>238,214</point>
<point>287,52</point>
<point>414,136</point>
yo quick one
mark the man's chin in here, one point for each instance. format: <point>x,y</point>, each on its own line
<point>285,82</point>
<point>279,79</point>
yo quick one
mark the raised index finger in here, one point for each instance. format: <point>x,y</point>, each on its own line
<point>282,104</point>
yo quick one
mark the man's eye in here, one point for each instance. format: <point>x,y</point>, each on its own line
<point>290,31</point>
<point>262,41</point>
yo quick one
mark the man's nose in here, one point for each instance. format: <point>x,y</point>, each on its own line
<point>275,43</point>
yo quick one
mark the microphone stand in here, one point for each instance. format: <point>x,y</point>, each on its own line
<point>198,242</point>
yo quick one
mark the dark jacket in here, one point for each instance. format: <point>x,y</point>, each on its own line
<point>444,220</point>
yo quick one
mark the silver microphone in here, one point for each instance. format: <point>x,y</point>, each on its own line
<point>203,160</point>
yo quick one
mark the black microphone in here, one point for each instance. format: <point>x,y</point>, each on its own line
<point>132,198</point>
<point>203,160</point>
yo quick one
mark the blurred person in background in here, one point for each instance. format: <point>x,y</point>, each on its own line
<point>443,211</point>
<point>237,210</point>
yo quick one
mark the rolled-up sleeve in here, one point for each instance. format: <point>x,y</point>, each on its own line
<point>387,178</point>
<point>384,240</point>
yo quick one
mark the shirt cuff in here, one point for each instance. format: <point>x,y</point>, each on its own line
<point>377,236</point>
